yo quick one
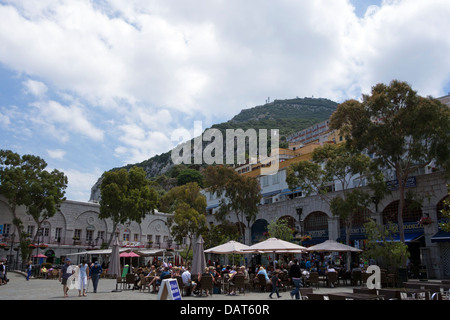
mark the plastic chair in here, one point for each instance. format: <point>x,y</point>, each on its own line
<point>304,293</point>
<point>314,279</point>
<point>332,278</point>
<point>206,283</point>
<point>315,296</point>
<point>238,282</point>
<point>262,282</point>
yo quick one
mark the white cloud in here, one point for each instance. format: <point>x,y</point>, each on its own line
<point>36,88</point>
<point>223,56</point>
<point>4,120</point>
<point>125,74</point>
<point>56,153</point>
<point>138,144</point>
<point>63,120</point>
<point>80,183</point>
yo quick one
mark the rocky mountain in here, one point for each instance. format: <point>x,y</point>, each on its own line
<point>288,116</point>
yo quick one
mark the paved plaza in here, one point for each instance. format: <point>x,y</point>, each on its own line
<point>19,288</point>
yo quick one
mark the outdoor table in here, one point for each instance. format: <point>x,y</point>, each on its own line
<point>358,296</point>
<point>408,291</point>
<point>225,278</point>
<point>430,285</point>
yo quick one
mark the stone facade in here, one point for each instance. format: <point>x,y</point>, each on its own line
<point>80,220</point>
<point>431,188</point>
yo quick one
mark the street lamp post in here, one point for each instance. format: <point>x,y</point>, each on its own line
<point>38,242</point>
<point>10,249</point>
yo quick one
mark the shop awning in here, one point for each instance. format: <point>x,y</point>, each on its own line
<point>352,237</point>
<point>409,237</point>
<point>441,236</point>
<point>269,194</point>
<point>212,206</point>
<point>285,192</point>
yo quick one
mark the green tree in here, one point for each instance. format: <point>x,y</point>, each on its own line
<point>241,194</point>
<point>350,169</point>
<point>190,175</point>
<point>126,196</point>
<point>280,229</point>
<point>24,181</point>
<point>188,206</point>
<point>446,212</point>
<point>382,247</point>
<point>220,234</point>
<point>405,131</point>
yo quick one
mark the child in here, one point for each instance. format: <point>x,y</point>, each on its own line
<point>275,284</point>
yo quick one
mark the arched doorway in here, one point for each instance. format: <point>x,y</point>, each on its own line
<point>357,231</point>
<point>413,231</point>
<point>442,238</point>
<point>316,226</point>
<point>412,212</point>
<point>259,227</point>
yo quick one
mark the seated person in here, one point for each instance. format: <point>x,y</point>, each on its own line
<point>152,272</point>
<point>156,281</point>
<point>187,281</point>
<point>264,272</point>
<point>206,273</point>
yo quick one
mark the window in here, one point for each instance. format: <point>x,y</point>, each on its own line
<point>101,235</point>
<point>89,235</point>
<point>46,232</point>
<point>30,230</point>
<point>58,234</point>
<point>265,181</point>
<point>158,239</point>
<point>126,235</point>
<point>136,237</point>
<point>316,221</point>
<point>275,178</point>
<point>6,229</point>
<point>77,233</point>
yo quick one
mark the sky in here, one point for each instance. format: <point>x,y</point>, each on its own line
<point>93,85</point>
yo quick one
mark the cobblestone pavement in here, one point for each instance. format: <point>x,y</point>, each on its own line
<point>19,288</point>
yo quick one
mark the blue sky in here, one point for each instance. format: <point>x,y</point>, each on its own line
<point>92,85</point>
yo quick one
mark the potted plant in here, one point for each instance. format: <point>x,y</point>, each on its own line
<point>43,246</point>
<point>4,246</point>
<point>32,246</point>
<point>424,221</point>
<point>305,238</point>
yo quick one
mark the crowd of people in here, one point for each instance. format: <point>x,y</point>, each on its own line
<point>276,273</point>
<point>77,276</point>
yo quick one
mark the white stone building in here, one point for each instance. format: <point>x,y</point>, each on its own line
<point>77,227</point>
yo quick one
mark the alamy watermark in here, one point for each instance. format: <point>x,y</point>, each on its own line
<point>213,152</point>
<point>374,280</point>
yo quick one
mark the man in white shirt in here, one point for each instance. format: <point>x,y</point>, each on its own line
<point>187,281</point>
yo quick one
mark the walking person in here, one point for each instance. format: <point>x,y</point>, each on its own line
<point>95,272</point>
<point>295,275</point>
<point>83,277</point>
<point>66,272</point>
<point>3,278</point>
<point>29,269</point>
<point>275,284</point>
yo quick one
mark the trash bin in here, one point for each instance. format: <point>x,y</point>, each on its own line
<point>423,275</point>
<point>402,276</point>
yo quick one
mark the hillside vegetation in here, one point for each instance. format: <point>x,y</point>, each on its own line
<point>289,116</point>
